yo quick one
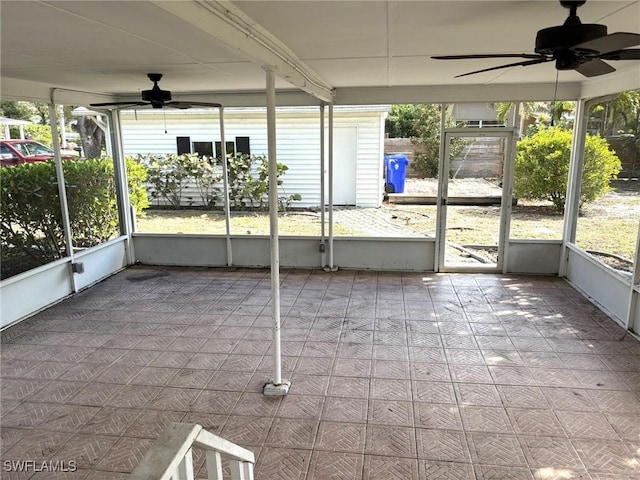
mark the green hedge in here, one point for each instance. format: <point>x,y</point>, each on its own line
<point>188,179</point>
<point>31,232</point>
<point>542,167</point>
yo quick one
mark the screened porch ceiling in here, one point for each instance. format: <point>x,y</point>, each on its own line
<point>366,51</point>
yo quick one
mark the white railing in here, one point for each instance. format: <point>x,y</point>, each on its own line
<point>170,457</point>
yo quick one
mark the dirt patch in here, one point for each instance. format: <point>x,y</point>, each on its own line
<point>613,261</point>
<point>630,186</point>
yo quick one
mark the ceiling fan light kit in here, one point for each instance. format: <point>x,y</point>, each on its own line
<point>573,46</point>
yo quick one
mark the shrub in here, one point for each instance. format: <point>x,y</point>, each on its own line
<point>242,185</point>
<point>91,196</point>
<point>249,182</point>
<point>31,231</point>
<point>31,223</point>
<point>93,211</point>
<point>427,165</point>
<point>169,176</point>
<point>172,177</point>
<point>137,179</point>
<point>207,174</point>
<point>39,133</point>
<point>542,167</point>
<point>256,182</point>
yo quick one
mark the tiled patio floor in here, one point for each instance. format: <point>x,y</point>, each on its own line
<point>395,376</point>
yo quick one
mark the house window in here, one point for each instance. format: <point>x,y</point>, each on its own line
<point>231,149</point>
<point>183,145</point>
<point>204,149</point>
<point>242,145</point>
<point>478,124</point>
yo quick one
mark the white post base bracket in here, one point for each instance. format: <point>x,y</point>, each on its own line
<point>279,390</point>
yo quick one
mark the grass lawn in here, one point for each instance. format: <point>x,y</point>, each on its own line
<point>200,222</point>
<point>610,224</point>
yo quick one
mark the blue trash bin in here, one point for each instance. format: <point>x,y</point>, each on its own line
<point>396,172</point>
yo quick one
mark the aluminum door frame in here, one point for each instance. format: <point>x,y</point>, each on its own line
<point>505,205</point>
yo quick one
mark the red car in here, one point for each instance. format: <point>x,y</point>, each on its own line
<point>15,152</point>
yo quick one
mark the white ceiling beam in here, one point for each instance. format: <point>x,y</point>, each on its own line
<point>616,82</point>
<point>222,20</point>
<point>16,89</point>
<point>456,93</point>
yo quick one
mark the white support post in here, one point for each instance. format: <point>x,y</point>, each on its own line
<point>323,247</point>
<point>63,132</point>
<point>108,145</point>
<point>576,165</point>
<point>507,185</point>
<point>185,468</point>
<point>225,183</point>
<point>214,465</point>
<point>62,192</point>
<point>634,293</point>
<point>248,470</point>
<point>442,194</point>
<point>276,386</point>
<point>237,470</point>
<point>331,267</point>
<point>126,211</point>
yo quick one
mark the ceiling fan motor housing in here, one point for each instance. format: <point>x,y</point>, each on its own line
<point>572,3</point>
<point>156,95</point>
<point>564,37</point>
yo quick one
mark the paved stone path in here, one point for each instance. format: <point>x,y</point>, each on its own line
<point>375,222</point>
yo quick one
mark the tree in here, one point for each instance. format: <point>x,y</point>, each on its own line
<point>91,134</point>
<point>421,123</point>
<point>401,121</point>
<point>38,113</point>
<point>542,167</point>
<point>17,110</point>
<point>538,114</point>
<point>39,133</point>
<point>620,118</point>
<point>620,115</point>
<point>42,113</point>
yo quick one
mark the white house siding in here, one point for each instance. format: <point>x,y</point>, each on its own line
<point>298,142</point>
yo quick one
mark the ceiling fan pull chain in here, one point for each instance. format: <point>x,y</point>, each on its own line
<point>164,115</point>
<point>553,104</point>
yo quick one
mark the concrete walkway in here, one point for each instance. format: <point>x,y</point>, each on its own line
<point>377,222</point>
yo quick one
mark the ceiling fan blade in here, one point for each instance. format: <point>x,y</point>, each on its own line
<point>630,54</point>
<point>594,67</point>
<point>517,64</point>
<point>118,104</point>
<point>488,55</point>
<point>610,43</point>
<point>185,105</point>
